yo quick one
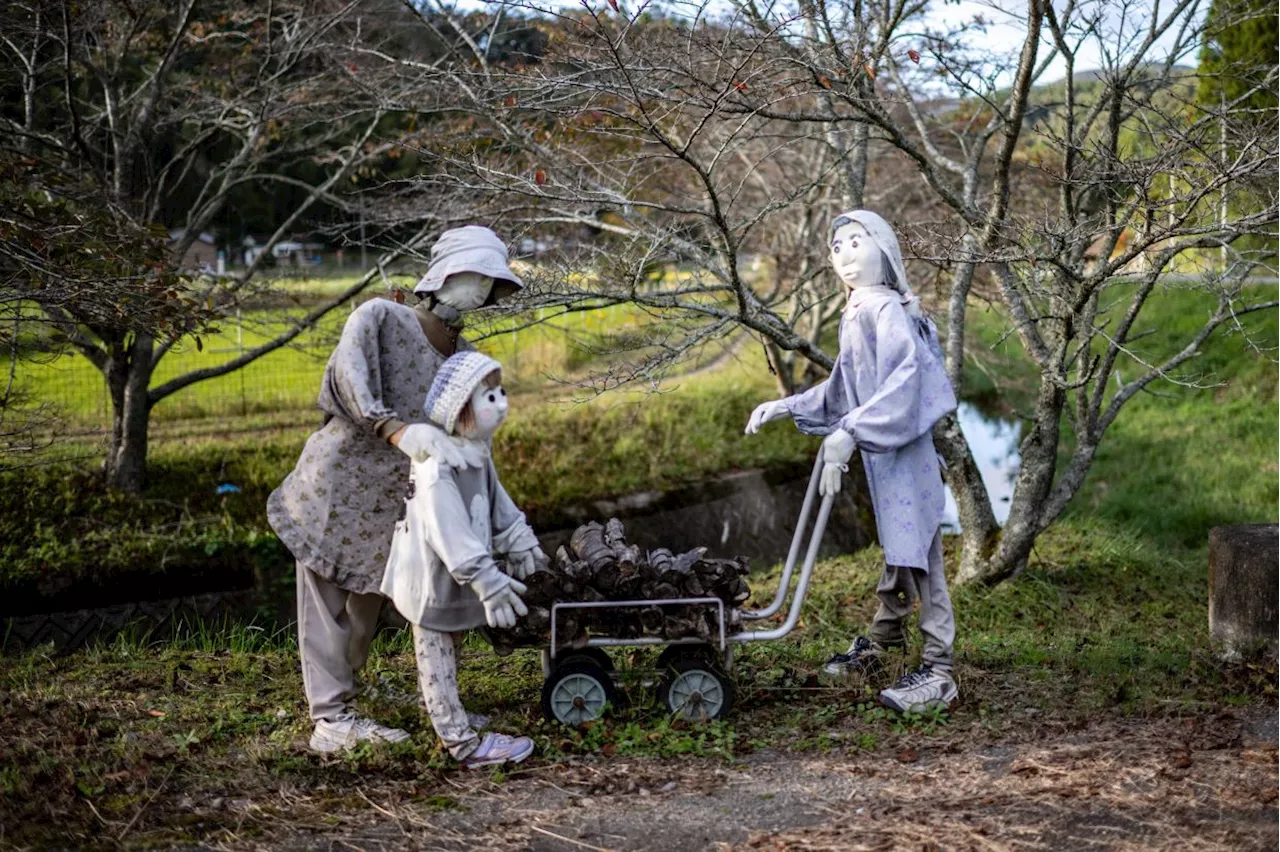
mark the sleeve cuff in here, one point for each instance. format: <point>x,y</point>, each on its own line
<point>488,581</point>
<point>515,538</point>
<point>388,426</point>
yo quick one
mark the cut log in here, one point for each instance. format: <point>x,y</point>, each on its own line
<point>1244,562</point>
<point>599,565</point>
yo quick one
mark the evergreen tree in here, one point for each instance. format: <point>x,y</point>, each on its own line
<point>1239,51</point>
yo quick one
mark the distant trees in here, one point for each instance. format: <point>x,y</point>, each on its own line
<point>164,114</point>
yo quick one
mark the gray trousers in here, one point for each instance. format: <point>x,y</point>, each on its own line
<point>335,630</point>
<point>437,655</point>
<point>899,588</point>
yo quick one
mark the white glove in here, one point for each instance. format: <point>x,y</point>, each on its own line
<point>837,449</point>
<point>765,412</point>
<point>421,441</point>
<point>522,563</point>
<point>503,607</point>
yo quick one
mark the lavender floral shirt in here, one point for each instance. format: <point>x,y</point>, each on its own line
<point>887,389</point>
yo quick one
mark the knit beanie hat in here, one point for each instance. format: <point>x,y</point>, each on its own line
<point>455,381</point>
<point>471,248</point>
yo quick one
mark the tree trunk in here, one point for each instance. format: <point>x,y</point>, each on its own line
<point>128,376</point>
<point>979,532</point>
<point>1242,588</point>
<point>1039,451</point>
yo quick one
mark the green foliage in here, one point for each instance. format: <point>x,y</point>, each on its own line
<point>1240,50</point>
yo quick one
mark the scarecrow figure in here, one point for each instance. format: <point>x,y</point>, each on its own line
<point>886,390</point>
<point>442,574</point>
<point>337,509</point>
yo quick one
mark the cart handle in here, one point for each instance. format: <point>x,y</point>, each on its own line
<point>785,582</point>
<point>802,587</point>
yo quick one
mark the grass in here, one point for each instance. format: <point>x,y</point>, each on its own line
<point>1098,625</point>
<point>1108,618</point>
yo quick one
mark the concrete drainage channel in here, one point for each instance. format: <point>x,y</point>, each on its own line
<point>748,513</point>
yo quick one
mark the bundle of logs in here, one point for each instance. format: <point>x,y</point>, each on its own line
<point>599,565</point>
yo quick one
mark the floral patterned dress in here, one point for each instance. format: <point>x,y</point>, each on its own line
<point>887,389</point>
<point>337,510</point>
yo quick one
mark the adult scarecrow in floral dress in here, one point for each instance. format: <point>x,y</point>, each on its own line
<point>337,510</point>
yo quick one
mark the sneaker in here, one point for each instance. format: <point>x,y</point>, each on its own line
<point>344,734</point>
<point>496,749</point>
<point>921,690</point>
<point>864,655</point>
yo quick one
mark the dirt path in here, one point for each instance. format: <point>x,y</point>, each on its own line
<point>1203,783</point>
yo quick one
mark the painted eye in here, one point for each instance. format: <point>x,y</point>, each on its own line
<point>502,391</point>
<point>492,398</point>
<point>835,249</point>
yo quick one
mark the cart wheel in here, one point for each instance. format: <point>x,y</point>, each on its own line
<point>695,689</point>
<point>576,692</point>
<point>671,653</point>
<point>592,655</point>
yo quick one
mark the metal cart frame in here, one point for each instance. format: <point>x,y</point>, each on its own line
<point>726,617</point>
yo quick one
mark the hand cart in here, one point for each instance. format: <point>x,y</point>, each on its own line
<point>580,681</point>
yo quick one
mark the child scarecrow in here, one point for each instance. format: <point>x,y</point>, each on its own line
<point>442,575</point>
<point>886,391</point>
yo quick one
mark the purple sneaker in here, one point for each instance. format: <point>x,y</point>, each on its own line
<point>496,749</point>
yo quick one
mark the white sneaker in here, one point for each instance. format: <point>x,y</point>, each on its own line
<point>344,734</point>
<point>921,690</point>
<point>496,749</point>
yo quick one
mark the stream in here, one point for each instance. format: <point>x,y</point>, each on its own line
<point>994,442</point>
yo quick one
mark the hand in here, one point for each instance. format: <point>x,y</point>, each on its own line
<point>837,449</point>
<point>421,441</point>
<point>765,412</point>
<point>503,607</point>
<point>522,563</point>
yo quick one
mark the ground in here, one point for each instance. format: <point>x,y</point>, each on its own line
<point>1198,783</point>
<point>1094,713</point>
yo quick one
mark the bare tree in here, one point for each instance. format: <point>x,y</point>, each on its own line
<point>173,111</point>
<point>697,143</point>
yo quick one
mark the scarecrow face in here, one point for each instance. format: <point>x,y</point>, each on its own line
<point>856,257</point>
<point>489,407</point>
<point>465,291</point>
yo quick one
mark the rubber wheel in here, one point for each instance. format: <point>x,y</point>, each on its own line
<point>577,692</point>
<point>695,689</point>
<point>671,653</point>
<point>594,655</point>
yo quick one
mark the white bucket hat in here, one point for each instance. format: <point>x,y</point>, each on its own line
<point>471,248</point>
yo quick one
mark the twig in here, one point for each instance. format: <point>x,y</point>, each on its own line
<point>568,839</point>
<point>120,839</point>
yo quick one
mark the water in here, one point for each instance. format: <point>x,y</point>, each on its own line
<point>994,443</point>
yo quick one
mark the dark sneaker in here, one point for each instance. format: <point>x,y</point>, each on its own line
<point>864,655</point>
<point>924,689</point>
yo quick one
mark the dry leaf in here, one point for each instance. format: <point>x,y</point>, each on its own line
<point>539,177</point>
<point>914,56</point>
<point>741,86</point>
<point>871,72</point>
<point>159,714</point>
<point>824,81</point>
<point>613,4</point>
<point>908,755</point>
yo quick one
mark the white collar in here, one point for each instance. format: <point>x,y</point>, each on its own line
<point>861,295</point>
